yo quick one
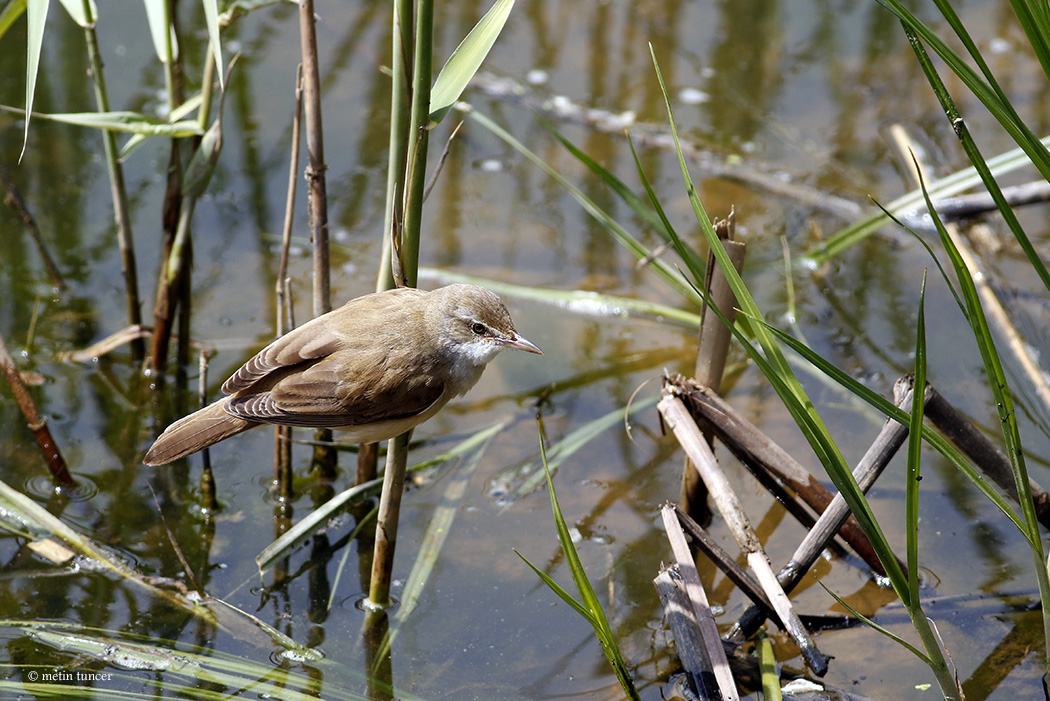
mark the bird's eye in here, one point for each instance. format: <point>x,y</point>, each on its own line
<point>478,328</point>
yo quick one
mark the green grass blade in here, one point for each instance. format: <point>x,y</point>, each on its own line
<point>777,371</point>
<point>1008,418</point>
<point>575,301</point>
<point>998,383</point>
<point>312,522</point>
<point>568,445</point>
<point>652,214</point>
<point>162,667</point>
<point>26,514</point>
<point>10,13</point>
<point>557,589</point>
<point>165,42</point>
<point>36,20</point>
<point>588,599</point>
<point>442,519</point>
<point>1000,109</point>
<point>893,411</point>
<point>979,164</point>
<point>915,425</point>
<point>467,59</point>
<point>947,186</point>
<point>767,665</point>
<point>121,121</point>
<point>75,9</point>
<point>875,626</point>
<point>211,18</point>
<point>318,518</point>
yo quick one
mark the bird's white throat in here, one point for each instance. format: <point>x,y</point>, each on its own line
<point>477,352</point>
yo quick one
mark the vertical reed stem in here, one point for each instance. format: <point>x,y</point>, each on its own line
<point>324,457</point>
<point>282,457</point>
<point>397,450</point>
<point>118,190</point>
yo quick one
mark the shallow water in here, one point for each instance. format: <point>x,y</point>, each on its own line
<point>790,106</point>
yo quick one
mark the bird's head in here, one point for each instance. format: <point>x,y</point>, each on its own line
<point>473,323</point>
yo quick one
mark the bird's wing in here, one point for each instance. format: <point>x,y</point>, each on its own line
<point>348,388</point>
<point>320,338</point>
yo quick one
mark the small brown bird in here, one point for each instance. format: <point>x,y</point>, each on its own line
<point>375,368</point>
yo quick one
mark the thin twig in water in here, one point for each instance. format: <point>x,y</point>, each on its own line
<point>282,447</point>
<point>13,199</point>
<point>38,424</point>
<point>174,544</point>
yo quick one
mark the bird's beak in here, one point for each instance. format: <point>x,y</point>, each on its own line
<point>521,343</point>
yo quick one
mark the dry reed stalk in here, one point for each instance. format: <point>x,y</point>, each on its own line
<point>211,503</point>
<point>13,199</point>
<point>758,452</point>
<point>119,192</point>
<point>282,447</point>
<point>37,424</point>
<point>713,348</point>
<point>679,420</point>
<point>713,663</point>
<point>324,456</point>
<point>871,465</point>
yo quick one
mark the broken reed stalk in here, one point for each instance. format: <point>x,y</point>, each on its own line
<point>871,465</point>
<point>119,192</point>
<point>680,421</point>
<point>981,451</point>
<point>758,452</point>
<point>38,424</point>
<point>324,455</point>
<point>282,438</point>
<point>713,347</point>
<point>685,630</point>
<point>714,660</point>
<point>725,562</point>
<point>13,199</point>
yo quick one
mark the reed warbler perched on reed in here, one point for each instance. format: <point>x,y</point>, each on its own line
<point>374,368</point>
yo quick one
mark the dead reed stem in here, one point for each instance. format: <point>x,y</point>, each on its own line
<point>713,662</point>
<point>324,456</point>
<point>210,502</point>
<point>282,447</point>
<point>871,465</point>
<point>680,421</point>
<point>713,348</point>
<point>758,452</point>
<point>37,424</point>
<point>13,199</point>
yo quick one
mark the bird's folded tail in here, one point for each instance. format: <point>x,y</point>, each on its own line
<point>196,432</point>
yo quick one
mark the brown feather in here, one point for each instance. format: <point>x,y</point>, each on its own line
<point>195,432</point>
